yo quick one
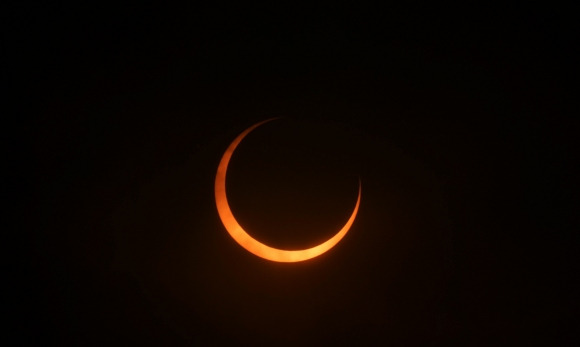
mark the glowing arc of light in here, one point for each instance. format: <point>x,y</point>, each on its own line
<point>249,243</point>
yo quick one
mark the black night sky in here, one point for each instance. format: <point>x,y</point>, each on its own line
<point>455,120</point>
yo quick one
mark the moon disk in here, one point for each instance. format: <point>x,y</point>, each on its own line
<point>249,243</point>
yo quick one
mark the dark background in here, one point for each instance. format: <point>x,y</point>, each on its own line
<point>455,119</point>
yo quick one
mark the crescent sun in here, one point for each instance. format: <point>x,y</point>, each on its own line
<point>248,242</point>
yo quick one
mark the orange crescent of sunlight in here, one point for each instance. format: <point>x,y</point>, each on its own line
<point>253,245</point>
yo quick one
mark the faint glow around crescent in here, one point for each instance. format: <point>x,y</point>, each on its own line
<point>253,245</point>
